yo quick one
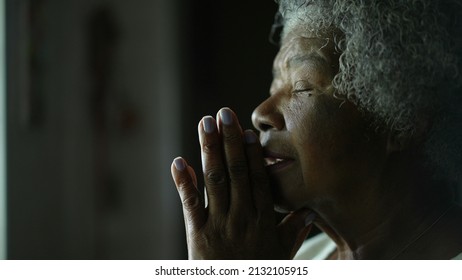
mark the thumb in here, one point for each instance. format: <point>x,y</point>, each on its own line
<point>294,228</point>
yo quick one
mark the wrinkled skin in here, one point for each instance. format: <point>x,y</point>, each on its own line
<point>239,221</point>
<point>317,156</point>
<point>301,121</point>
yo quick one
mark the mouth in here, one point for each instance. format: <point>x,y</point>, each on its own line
<point>276,162</point>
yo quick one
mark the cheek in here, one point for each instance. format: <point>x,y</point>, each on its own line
<point>311,125</point>
<point>310,136</point>
<point>313,145</point>
<point>328,139</point>
<point>300,119</point>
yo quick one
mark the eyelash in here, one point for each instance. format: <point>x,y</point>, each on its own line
<point>303,91</point>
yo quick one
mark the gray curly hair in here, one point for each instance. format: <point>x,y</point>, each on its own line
<point>400,61</point>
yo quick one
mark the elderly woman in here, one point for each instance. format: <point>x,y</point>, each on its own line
<point>360,136</point>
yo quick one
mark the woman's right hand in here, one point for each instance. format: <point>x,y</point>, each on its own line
<point>239,221</point>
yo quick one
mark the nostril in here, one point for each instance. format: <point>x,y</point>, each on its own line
<point>264,127</point>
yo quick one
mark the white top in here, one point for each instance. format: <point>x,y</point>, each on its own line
<point>319,247</point>
<point>458,257</point>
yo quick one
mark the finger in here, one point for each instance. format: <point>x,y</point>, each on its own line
<point>294,228</point>
<point>259,181</point>
<point>194,179</point>
<point>213,167</point>
<point>193,207</point>
<point>193,175</point>
<point>236,161</point>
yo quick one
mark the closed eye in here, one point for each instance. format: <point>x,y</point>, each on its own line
<point>308,91</point>
<point>302,87</point>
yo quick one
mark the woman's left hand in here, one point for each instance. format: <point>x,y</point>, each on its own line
<point>239,221</point>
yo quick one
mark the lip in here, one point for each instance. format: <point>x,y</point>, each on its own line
<point>276,162</point>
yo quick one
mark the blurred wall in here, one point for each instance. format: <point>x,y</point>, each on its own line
<point>2,134</point>
<point>102,95</point>
<point>228,62</point>
<point>92,129</point>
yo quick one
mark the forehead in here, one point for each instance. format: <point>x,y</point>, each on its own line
<point>301,47</point>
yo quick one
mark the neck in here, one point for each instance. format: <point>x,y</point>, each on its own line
<point>389,221</point>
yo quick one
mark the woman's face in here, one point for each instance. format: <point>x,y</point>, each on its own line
<point>319,150</point>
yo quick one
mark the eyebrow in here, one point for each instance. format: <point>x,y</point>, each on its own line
<point>297,60</point>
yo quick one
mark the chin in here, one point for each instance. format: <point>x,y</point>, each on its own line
<point>280,205</point>
<point>285,202</point>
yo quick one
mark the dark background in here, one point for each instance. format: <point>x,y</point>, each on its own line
<point>101,96</point>
<point>228,61</point>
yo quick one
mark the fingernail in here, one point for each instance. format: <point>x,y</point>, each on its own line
<point>226,116</point>
<point>309,219</point>
<point>179,164</point>
<point>250,137</point>
<point>209,124</point>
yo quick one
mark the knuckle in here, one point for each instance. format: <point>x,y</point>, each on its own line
<point>209,147</point>
<point>238,168</point>
<point>215,176</point>
<point>190,202</point>
<point>183,184</point>
<point>232,138</point>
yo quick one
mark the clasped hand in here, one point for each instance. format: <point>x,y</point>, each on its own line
<point>238,221</point>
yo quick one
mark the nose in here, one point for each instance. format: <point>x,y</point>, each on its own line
<point>268,116</point>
